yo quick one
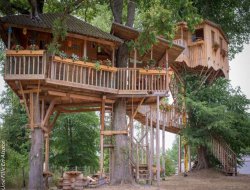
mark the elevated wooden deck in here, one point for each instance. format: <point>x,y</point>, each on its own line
<point>27,66</point>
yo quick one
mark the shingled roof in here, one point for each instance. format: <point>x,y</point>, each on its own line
<point>46,21</point>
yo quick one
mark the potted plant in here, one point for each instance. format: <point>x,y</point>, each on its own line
<point>85,59</point>
<point>62,55</point>
<point>108,62</point>
<point>74,57</point>
<point>97,65</point>
<point>33,47</point>
<point>151,63</point>
<point>17,47</point>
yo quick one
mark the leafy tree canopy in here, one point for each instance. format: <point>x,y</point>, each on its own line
<point>217,110</point>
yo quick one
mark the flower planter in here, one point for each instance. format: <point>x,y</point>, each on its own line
<point>84,64</point>
<point>152,72</point>
<point>25,52</point>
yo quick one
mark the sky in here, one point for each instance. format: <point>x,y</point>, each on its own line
<point>239,75</point>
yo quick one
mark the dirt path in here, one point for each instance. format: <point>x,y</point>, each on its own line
<point>202,180</point>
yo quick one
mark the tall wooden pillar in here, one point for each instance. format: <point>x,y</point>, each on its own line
<point>179,155</point>
<point>46,168</point>
<point>37,144</point>
<point>101,134</point>
<point>158,142</point>
<point>142,143</point>
<point>151,157</point>
<point>163,143</point>
<point>189,158</point>
<point>147,152</point>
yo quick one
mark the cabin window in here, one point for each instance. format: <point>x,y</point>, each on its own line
<point>198,35</point>
<point>212,37</point>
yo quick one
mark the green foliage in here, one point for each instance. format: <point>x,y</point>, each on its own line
<point>75,141</point>
<point>216,110</point>
<point>59,31</point>
<point>170,166</point>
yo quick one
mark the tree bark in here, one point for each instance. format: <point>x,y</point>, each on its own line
<point>36,151</point>
<point>202,158</point>
<point>131,13</point>
<point>116,7</point>
<point>122,171</point>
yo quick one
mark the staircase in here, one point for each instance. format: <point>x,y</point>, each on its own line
<point>139,161</point>
<point>225,155</point>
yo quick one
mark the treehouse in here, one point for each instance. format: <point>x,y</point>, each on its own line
<point>206,50</point>
<point>86,75</point>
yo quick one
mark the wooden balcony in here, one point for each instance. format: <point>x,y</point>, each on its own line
<point>36,65</point>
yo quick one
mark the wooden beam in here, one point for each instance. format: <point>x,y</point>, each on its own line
<point>62,110</point>
<point>48,113</point>
<point>25,101</point>
<point>51,125</point>
<point>78,96</point>
<point>138,107</point>
<point>29,91</point>
<point>110,133</point>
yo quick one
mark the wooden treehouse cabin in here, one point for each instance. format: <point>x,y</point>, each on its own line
<point>84,76</point>
<point>206,50</point>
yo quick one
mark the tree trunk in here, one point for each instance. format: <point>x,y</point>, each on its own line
<point>122,172</point>
<point>36,151</point>
<point>202,158</point>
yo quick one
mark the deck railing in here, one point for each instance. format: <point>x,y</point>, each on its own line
<point>173,118</point>
<point>25,64</point>
<point>140,80</point>
<point>83,73</point>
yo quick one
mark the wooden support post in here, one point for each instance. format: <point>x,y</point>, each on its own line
<point>151,145</point>
<point>147,156</point>
<point>113,56</point>
<point>142,144</point>
<point>36,151</point>
<point>163,144</point>
<point>101,133</point>
<point>46,168</point>
<point>158,142</point>
<point>135,57</point>
<point>179,155</point>
<point>189,158</point>
<point>85,49</point>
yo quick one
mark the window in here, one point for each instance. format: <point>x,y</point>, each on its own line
<point>198,35</point>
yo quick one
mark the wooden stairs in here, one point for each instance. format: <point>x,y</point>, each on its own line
<point>226,156</point>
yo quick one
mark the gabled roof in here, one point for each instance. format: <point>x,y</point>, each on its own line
<point>46,21</point>
<point>159,49</point>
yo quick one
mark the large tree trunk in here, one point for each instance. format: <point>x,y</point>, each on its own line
<point>202,158</point>
<point>122,171</point>
<point>36,151</point>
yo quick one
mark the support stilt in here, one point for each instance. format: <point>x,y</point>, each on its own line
<point>158,142</point>
<point>37,143</point>
<point>101,134</point>
<point>179,155</point>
